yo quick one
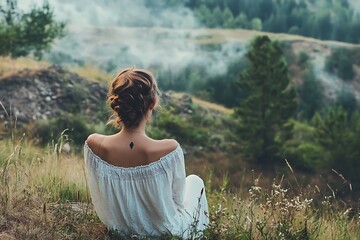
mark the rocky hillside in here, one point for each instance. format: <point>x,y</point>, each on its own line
<point>34,96</point>
<point>43,94</point>
<point>318,53</point>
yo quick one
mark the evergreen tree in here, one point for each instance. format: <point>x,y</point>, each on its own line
<point>340,62</point>
<point>228,18</point>
<point>218,16</point>
<point>241,21</point>
<point>311,96</point>
<point>270,100</point>
<point>256,24</point>
<point>347,100</point>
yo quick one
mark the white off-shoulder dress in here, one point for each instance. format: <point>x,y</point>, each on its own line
<point>150,200</point>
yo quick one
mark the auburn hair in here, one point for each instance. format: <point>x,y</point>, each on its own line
<point>130,96</point>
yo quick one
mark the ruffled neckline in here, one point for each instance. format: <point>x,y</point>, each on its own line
<point>136,168</point>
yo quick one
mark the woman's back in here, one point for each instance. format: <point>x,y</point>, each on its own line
<point>129,149</point>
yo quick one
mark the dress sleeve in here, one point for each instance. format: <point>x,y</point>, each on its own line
<point>179,176</point>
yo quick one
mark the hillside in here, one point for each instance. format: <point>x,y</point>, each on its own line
<point>48,197</point>
<point>48,93</point>
<point>42,94</point>
<point>206,130</point>
<point>44,194</point>
<point>211,50</point>
<point>54,99</point>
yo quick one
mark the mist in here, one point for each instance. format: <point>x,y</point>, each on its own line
<point>355,4</point>
<point>113,34</point>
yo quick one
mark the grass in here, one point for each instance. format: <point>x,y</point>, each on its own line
<point>9,66</point>
<point>44,196</point>
<point>92,73</point>
<point>205,104</point>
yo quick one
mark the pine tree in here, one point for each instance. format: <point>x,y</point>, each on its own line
<point>270,100</point>
<point>311,96</point>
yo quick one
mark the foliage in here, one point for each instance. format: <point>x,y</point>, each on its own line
<point>347,100</point>
<point>25,33</point>
<point>311,96</point>
<point>196,79</point>
<point>303,59</point>
<point>269,102</point>
<point>223,88</point>
<point>300,148</point>
<point>169,125</point>
<point>172,125</point>
<point>74,126</point>
<point>335,20</point>
<point>340,63</point>
<point>339,135</point>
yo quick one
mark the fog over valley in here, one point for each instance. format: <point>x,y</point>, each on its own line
<point>117,34</point>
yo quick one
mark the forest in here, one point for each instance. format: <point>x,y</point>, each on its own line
<point>327,20</point>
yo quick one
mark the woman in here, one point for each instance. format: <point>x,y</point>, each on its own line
<point>137,184</point>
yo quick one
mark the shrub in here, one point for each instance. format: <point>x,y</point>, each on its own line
<point>169,125</point>
<point>301,148</point>
<point>303,59</point>
<point>75,128</point>
<point>340,63</point>
<point>311,96</point>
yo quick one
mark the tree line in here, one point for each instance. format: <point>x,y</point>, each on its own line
<point>327,20</point>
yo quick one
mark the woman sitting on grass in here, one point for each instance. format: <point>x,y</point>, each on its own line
<point>137,184</point>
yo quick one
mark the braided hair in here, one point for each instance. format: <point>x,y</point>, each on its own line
<point>130,96</point>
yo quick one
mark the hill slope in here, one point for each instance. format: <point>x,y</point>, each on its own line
<point>46,93</point>
<point>168,49</point>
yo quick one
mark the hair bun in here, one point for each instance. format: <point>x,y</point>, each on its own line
<point>130,96</point>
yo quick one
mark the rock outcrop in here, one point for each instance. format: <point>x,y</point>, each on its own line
<point>43,94</point>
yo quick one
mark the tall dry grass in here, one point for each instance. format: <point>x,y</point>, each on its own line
<point>43,193</point>
<point>44,196</point>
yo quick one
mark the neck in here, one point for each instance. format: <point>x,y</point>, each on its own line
<point>139,129</point>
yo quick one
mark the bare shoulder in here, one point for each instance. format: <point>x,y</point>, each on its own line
<point>167,145</point>
<point>171,143</point>
<point>94,140</point>
<point>163,147</point>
